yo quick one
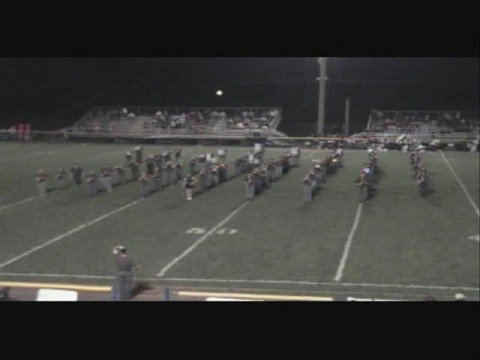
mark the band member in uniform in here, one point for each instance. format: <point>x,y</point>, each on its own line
<point>128,157</point>
<point>192,164</point>
<point>178,172</point>
<point>157,178</point>
<point>92,183</point>
<point>271,172</point>
<point>138,154</point>
<point>363,185</point>
<point>150,165</point>
<point>167,156</point>
<point>144,184</point>
<point>222,154</point>
<point>222,172</point>
<point>279,169</point>
<point>168,174</point>
<point>178,153</point>
<point>189,184</point>
<point>214,176</point>
<point>61,178</point>
<point>238,166</point>
<point>307,189</point>
<point>312,177</point>
<point>77,174</point>
<point>158,160</point>
<point>134,168</point>
<point>107,178</point>
<point>285,164</point>
<point>41,179</point>
<point>318,175</point>
<point>120,174</point>
<point>249,187</point>
<point>202,180</point>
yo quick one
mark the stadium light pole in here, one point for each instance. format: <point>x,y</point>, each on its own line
<point>347,117</point>
<point>322,62</point>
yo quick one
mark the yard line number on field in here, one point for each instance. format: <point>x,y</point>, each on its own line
<point>200,240</point>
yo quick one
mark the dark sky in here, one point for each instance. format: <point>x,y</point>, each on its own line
<point>53,92</point>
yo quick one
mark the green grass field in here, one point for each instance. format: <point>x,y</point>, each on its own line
<point>404,247</point>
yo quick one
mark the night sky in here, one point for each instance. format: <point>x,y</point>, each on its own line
<point>54,92</point>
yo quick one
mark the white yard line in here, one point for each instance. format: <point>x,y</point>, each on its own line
<point>346,250</point>
<point>200,240</point>
<point>19,202</point>
<point>60,237</point>
<point>475,207</point>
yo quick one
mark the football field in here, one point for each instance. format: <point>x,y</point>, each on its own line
<point>397,245</point>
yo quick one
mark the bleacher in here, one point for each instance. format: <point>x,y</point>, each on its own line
<point>425,126</point>
<point>153,122</point>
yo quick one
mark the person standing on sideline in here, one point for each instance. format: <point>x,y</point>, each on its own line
<point>41,179</point>
<point>124,278</point>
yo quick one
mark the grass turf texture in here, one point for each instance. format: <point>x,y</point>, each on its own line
<point>401,239</point>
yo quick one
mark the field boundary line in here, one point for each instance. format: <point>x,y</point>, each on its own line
<point>324,283</point>
<point>255,281</point>
<point>31,285</point>
<point>254,296</point>
<point>460,182</point>
<point>68,233</point>
<point>346,250</point>
<point>200,240</point>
